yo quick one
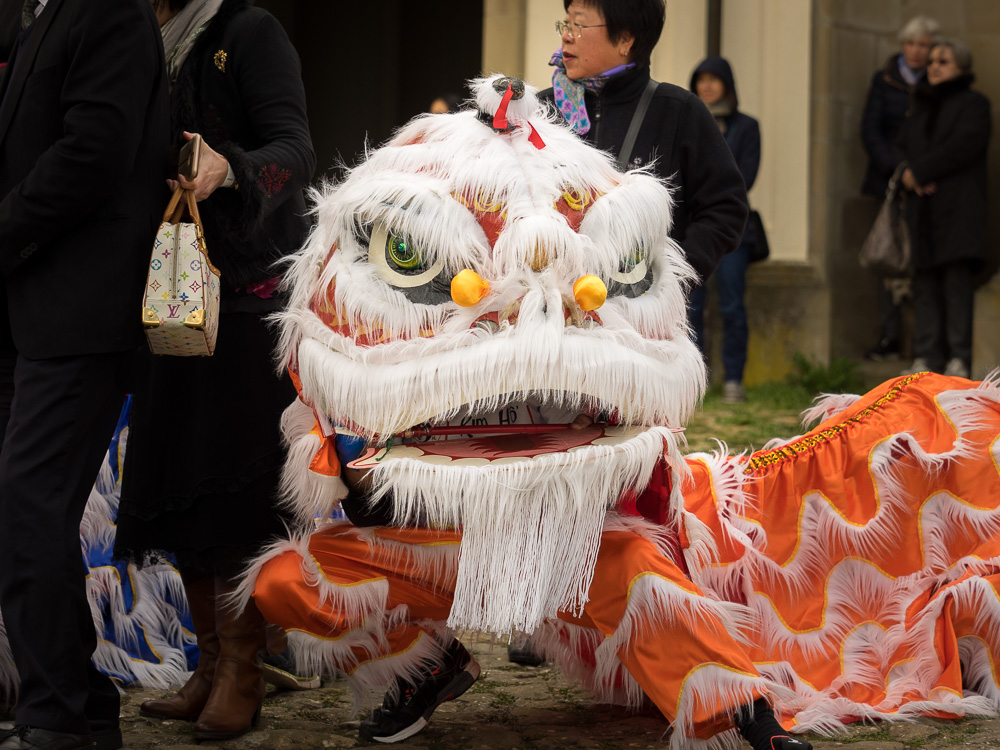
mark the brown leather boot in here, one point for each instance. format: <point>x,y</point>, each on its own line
<point>233,708</point>
<point>187,703</point>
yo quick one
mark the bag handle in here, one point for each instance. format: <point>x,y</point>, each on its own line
<point>175,212</point>
<point>175,199</point>
<point>633,127</point>
<point>895,180</point>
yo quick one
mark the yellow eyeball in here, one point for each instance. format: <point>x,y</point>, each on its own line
<point>468,288</point>
<point>590,292</point>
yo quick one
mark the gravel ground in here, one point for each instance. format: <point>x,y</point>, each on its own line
<point>509,707</point>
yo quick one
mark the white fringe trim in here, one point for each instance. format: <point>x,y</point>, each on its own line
<point>530,529</point>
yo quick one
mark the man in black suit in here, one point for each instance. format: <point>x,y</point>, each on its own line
<point>83,163</point>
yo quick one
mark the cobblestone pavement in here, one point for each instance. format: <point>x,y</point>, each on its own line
<point>509,707</point>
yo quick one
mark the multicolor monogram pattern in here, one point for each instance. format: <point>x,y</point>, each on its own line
<point>181,281</point>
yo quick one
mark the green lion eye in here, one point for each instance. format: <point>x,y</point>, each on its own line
<point>404,253</point>
<point>634,276</point>
<point>629,262</point>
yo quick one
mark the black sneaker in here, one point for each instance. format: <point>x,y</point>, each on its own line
<point>522,651</point>
<point>883,351</point>
<point>790,743</point>
<point>404,714</point>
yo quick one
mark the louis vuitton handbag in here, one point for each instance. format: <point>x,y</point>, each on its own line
<point>180,311</point>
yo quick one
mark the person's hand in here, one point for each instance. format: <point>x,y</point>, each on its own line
<point>581,421</point>
<point>212,172</point>
<point>910,183</point>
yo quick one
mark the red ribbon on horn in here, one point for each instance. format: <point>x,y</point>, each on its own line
<point>500,118</point>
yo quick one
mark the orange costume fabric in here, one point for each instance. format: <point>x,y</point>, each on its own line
<point>369,594</point>
<point>848,573</point>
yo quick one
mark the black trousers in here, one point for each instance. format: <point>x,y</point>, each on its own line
<point>57,416</point>
<point>942,314</point>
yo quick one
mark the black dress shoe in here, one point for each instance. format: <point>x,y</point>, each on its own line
<point>106,733</point>
<point>30,738</point>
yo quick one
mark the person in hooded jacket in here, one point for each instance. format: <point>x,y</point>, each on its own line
<point>885,112</point>
<point>713,82</point>
<point>943,145</point>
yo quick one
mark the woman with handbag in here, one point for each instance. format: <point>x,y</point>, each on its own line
<point>943,146</point>
<point>713,82</point>
<point>204,450</point>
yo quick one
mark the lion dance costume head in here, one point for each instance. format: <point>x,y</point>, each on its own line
<point>489,262</point>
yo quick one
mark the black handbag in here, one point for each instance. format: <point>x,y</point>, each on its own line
<point>760,250</point>
<point>887,249</point>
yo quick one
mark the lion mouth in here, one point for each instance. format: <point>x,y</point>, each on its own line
<point>498,449</point>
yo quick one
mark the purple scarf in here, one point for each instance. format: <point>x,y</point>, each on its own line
<point>569,93</point>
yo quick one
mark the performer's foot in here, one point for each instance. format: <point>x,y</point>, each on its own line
<point>405,712</point>
<point>759,727</point>
<point>522,651</point>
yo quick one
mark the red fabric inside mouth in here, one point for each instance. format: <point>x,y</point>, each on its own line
<point>517,445</point>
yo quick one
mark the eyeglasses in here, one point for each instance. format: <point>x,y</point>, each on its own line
<point>939,61</point>
<point>575,29</point>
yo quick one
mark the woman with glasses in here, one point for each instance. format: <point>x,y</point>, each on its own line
<point>944,146</point>
<point>602,70</point>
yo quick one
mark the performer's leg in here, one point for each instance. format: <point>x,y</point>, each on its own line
<point>62,417</point>
<point>675,642</point>
<point>350,601</point>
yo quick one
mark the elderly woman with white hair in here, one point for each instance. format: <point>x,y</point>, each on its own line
<point>885,111</point>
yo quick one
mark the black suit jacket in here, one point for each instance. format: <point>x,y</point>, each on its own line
<point>83,161</point>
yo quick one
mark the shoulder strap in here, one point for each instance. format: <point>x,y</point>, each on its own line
<point>633,127</point>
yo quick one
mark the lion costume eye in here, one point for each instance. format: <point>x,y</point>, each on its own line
<point>634,276</point>
<point>402,263</point>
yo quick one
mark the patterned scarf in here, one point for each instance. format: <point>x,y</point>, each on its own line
<point>181,32</point>
<point>569,93</point>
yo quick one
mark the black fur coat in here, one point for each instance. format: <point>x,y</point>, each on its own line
<point>241,89</point>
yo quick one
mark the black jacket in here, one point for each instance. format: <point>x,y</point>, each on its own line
<point>945,141</point>
<point>742,131</point>
<point>885,111</point>
<point>710,208</point>
<point>241,88</point>
<point>83,165</point>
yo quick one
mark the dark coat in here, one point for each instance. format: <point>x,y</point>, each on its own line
<point>742,132</point>
<point>885,112</point>
<point>83,164</point>
<point>710,208</point>
<point>945,141</point>
<point>241,88</point>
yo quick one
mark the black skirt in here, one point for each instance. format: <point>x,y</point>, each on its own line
<point>204,451</point>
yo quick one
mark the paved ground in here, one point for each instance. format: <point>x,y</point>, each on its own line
<point>509,707</point>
